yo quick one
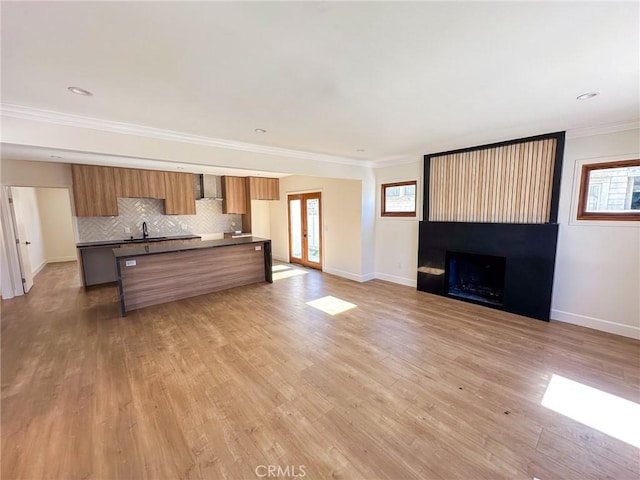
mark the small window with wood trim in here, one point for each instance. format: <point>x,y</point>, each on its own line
<point>399,199</point>
<point>610,191</point>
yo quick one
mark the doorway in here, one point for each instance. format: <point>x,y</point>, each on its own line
<point>39,223</point>
<point>305,229</point>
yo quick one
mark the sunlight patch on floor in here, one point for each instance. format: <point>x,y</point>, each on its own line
<point>287,274</point>
<point>331,305</point>
<point>279,268</point>
<point>607,413</point>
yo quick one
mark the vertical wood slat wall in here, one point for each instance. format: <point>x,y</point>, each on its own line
<point>507,184</point>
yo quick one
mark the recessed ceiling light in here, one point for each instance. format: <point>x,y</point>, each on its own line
<point>586,96</point>
<point>260,130</point>
<point>360,150</point>
<point>80,91</point>
<point>180,168</point>
<point>54,156</point>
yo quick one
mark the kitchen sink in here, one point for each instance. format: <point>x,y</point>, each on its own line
<point>143,240</point>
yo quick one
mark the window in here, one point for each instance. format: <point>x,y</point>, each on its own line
<point>610,191</point>
<point>399,199</point>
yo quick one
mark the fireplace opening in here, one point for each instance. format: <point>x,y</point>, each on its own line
<point>479,278</point>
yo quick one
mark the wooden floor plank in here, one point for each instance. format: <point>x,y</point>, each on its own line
<point>406,385</point>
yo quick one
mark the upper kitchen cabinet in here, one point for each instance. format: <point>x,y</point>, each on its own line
<point>94,191</point>
<point>136,183</point>
<point>179,194</point>
<point>234,195</point>
<point>262,188</point>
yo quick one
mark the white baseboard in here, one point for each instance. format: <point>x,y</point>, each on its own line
<point>409,282</point>
<point>597,324</point>
<point>39,268</point>
<point>368,276</point>
<point>280,259</point>
<point>351,276</point>
<point>62,259</point>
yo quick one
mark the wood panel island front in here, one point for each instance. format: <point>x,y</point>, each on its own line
<point>156,274</point>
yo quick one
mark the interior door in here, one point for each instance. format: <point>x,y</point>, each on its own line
<point>305,229</point>
<point>18,218</point>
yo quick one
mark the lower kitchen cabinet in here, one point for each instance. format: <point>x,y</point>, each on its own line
<point>97,265</point>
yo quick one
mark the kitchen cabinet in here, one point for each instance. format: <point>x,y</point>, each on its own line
<point>135,183</point>
<point>179,194</point>
<point>263,188</point>
<point>97,263</point>
<point>94,191</point>
<point>234,195</point>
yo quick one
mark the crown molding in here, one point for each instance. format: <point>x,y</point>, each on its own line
<point>602,129</point>
<point>59,118</point>
<point>395,161</point>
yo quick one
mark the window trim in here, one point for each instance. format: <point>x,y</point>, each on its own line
<point>384,186</point>
<point>585,172</point>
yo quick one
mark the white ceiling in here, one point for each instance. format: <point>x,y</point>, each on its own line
<point>397,79</point>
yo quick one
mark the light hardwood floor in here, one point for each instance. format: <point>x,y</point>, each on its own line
<point>404,386</point>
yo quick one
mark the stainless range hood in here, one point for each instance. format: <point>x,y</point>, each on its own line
<point>208,186</point>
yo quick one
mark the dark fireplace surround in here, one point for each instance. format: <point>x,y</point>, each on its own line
<point>507,266</point>
<point>528,252</point>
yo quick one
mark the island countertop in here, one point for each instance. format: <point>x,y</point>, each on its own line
<point>106,243</point>
<point>183,247</point>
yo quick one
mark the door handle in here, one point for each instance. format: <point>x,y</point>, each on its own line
<point>27,243</point>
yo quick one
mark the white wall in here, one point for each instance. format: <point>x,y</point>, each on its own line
<point>261,218</point>
<point>21,173</point>
<point>30,174</point>
<point>25,204</point>
<point>396,256</point>
<point>368,226</point>
<point>342,220</point>
<point>597,276</point>
<point>22,131</point>
<point>54,205</point>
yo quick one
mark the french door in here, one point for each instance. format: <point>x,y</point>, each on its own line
<point>305,229</point>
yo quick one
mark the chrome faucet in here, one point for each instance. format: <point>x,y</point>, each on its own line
<point>145,230</point>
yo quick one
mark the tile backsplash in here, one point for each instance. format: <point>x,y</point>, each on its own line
<point>133,211</point>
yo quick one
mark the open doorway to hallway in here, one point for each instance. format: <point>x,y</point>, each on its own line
<point>41,228</point>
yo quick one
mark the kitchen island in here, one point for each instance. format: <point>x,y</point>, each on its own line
<point>95,259</point>
<point>155,274</point>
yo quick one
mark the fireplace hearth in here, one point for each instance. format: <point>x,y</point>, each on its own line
<point>479,278</point>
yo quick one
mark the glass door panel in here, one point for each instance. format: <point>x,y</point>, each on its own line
<point>295,227</point>
<point>312,208</point>
<point>305,229</point>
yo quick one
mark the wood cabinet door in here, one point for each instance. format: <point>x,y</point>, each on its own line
<point>179,194</point>
<point>273,189</point>
<point>153,184</point>
<point>234,195</point>
<point>262,188</point>
<point>128,183</point>
<point>135,183</point>
<point>94,191</point>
